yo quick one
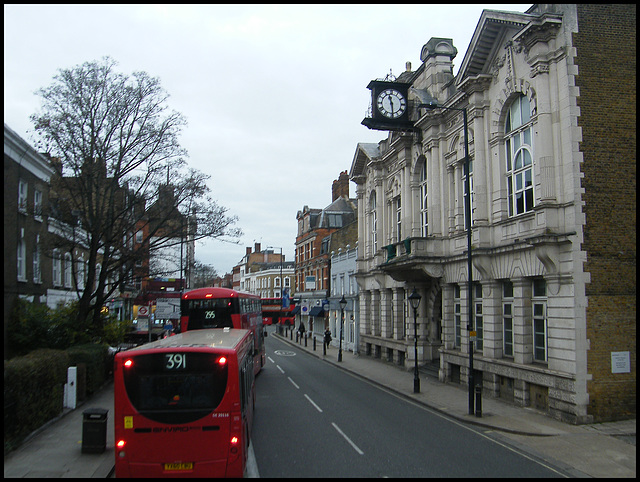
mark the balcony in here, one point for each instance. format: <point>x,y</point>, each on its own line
<point>413,258</point>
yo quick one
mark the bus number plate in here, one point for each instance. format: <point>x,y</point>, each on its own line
<point>179,466</point>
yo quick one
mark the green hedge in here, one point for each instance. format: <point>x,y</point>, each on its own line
<point>97,360</point>
<point>34,386</point>
<point>33,391</point>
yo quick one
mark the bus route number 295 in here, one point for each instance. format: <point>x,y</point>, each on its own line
<point>175,361</point>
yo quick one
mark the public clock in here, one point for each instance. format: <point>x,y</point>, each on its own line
<point>391,103</point>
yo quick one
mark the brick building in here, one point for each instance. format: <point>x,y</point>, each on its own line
<point>550,100</point>
<point>313,251</point>
<point>607,120</point>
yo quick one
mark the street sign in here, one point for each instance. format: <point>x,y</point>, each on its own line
<point>143,311</point>
<point>168,308</point>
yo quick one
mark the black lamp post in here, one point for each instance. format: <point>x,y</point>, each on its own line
<point>414,299</point>
<point>343,305</point>
<point>467,210</point>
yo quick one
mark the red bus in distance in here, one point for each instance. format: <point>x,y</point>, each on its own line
<point>273,312</point>
<point>183,406</point>
<point>205,308</point>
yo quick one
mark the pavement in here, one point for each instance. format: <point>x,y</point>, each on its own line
<point>594,450</point>
<point>55,449</point>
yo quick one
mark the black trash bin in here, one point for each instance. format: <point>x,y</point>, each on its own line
<point>94,430</point>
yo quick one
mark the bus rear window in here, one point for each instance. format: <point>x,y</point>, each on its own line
<point>209,313</point>
<point>176,387</point>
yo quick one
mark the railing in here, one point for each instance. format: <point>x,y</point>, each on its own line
<point>410,247</point>
<point>402,248</point>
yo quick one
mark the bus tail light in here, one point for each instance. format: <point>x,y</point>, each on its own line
<point>128,363</point>
<point>120,445</point>
<point>233,444</point>
<point>222,361</point>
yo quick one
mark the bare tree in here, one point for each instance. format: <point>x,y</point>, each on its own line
<point>115,145</point>
<point>203,275</point>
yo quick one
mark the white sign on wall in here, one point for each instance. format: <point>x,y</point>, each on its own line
<point>620,362</point>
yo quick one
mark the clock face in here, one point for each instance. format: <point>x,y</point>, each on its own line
<point>391,103</point>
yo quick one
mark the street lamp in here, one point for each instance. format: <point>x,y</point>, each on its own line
<point>414,299</point>
<point>343,305</point>
<point>467,210</point>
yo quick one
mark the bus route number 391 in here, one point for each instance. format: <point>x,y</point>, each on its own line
<point>175,361</point>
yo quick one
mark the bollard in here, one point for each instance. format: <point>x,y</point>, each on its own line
<point>305,339</point>
<point>297,336</point>
<point>291,335</point>
<point>478,391</point>
<point>324,347</point>
<point>314,343</point>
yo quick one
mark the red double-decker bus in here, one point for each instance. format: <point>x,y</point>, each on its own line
<point>224,308</point>
<point>274,313</point>
<point>183,406</point>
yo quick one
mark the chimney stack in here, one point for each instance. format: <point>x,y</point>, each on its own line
<point>340,186</point>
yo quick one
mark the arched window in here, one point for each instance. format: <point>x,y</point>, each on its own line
<point>424,217</point>
<point>374,222</point>
<point>519,155</point>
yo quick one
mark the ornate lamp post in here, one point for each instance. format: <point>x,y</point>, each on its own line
<point>414,299</point>
<point>467,209</point>
<point>343,305</point>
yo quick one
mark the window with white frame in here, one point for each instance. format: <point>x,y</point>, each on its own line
<point>466,221</point>
<point>37,274</point>
<point>539,306</point>
<point>507,318</point>
<point>56,268</point>
<point>457,316</point>
<point>37,204</point>
<point>519,155</point>
<point>479,317</point>
<point>22,258</point>
<point>67,271</point>
<point>374,222</point>
<point>80,273</point>
<point>398,218</point>
<point>23,189</point>
<point>424,217</point>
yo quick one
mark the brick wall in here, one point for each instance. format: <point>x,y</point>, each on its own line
<point>606,58</point>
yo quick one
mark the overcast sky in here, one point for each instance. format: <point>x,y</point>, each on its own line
<point>274,95</point>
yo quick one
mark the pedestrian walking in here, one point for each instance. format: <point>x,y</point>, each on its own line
<point>327,337</point>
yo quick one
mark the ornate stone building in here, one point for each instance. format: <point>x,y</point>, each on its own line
<point>552,212</point>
